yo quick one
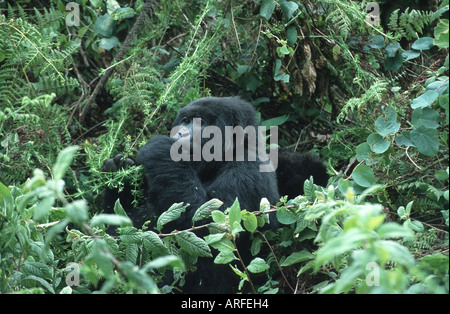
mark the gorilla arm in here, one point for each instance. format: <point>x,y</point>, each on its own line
<point>168,181</point>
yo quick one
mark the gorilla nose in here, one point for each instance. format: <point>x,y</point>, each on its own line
<point>181,132</point>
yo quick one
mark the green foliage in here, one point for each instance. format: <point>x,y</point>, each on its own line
<point>373,100</point>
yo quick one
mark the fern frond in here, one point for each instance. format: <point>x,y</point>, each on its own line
<point>409,24</point>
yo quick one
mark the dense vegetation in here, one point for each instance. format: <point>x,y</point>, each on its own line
<point>83,80</point>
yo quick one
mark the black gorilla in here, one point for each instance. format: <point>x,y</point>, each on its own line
<point>197,179</point>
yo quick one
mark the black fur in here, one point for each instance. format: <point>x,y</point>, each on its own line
<point>196,182</point>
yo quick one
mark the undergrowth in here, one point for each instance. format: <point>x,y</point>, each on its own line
<point>371,99</point>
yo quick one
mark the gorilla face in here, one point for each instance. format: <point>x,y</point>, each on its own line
<point>215,129</point>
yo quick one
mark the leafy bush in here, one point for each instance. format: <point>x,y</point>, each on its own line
<point>373,100</point>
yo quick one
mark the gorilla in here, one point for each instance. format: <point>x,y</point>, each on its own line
<point>215,150</point>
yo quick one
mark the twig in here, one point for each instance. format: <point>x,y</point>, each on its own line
<point>245,268</point>
<point>411,159</point>
<point>276,260</point>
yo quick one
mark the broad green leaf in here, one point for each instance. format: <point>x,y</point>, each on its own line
<point>288,8</point>
<point>424,43</point>
<point>393,63</point>
<point>267,8</point>
<point>427,117</point>
<point>425,100</point>
<point>377,42</point>
<point>285,216</point>
<point>42,209</point>
<point>109,43</point>
<point>426,140</point>
<point>63,162</point>
<point>192,244</point>
<point>110,219</point>
<point>163,261</point>
<point>275,121</point>
<point>388,125</point>
<point>205,210</point>
<point>104,25</point>
<point>410,54</point>
<point>77,211</point>
<point>258,265</point>
<point>225,257</point>
<point>6,200</point>
<point>377,143</point>
<point>153,242</point>
<point>218,216</point>
<point>364,176</point>
<point>391,230</point>
<point>339,245</point>
<point>441,34</point>
<point>291,35</point>
<point>250,221</point>
<point>393,251</point>
<point>173,213</point>
<point>404,139</point>
<point>234,214</point>
<point>392,49</point>
<point>297,257</point>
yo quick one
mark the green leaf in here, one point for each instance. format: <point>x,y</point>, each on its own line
<point>410,54</point>
<point>205,210</point>
<point>388,125</point>
<point>364,176</point>
<point>275,121</point>
<point>425,100</point>
<point>267,8</point>
<point>427,117</point>
<point>104,25</point>
<point>441,34</point>
<point>297,257</point>
<point>110,219</point>
<point>288,8</point>
<point>344,243</point>
<point>77,211</point>
<point>392,49</point>
<point>377,143</point>
<point>291,35</point>
<point>424,43</point>
<point>393,251</point>
<point>377,42</point>
<point>173,213</point>
<point>258,265</point>
<point>42,209</point>
<point>218,216</point>
<point>404,139</point>
<point>63,162</point>
<point>6,201</point>
<point>109,42</point>
<point>426,140</point>
<point>393,63</point>
<point>225,257</point>
<point>153,242</point>
<point>235,217</point>
<point>391,230</point>
<point>192,244</point>
<point>285,216</point>
<point>164,261</point>
<point>250,221</point>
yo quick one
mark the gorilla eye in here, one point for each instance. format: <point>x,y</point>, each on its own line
<point>186,120</point>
